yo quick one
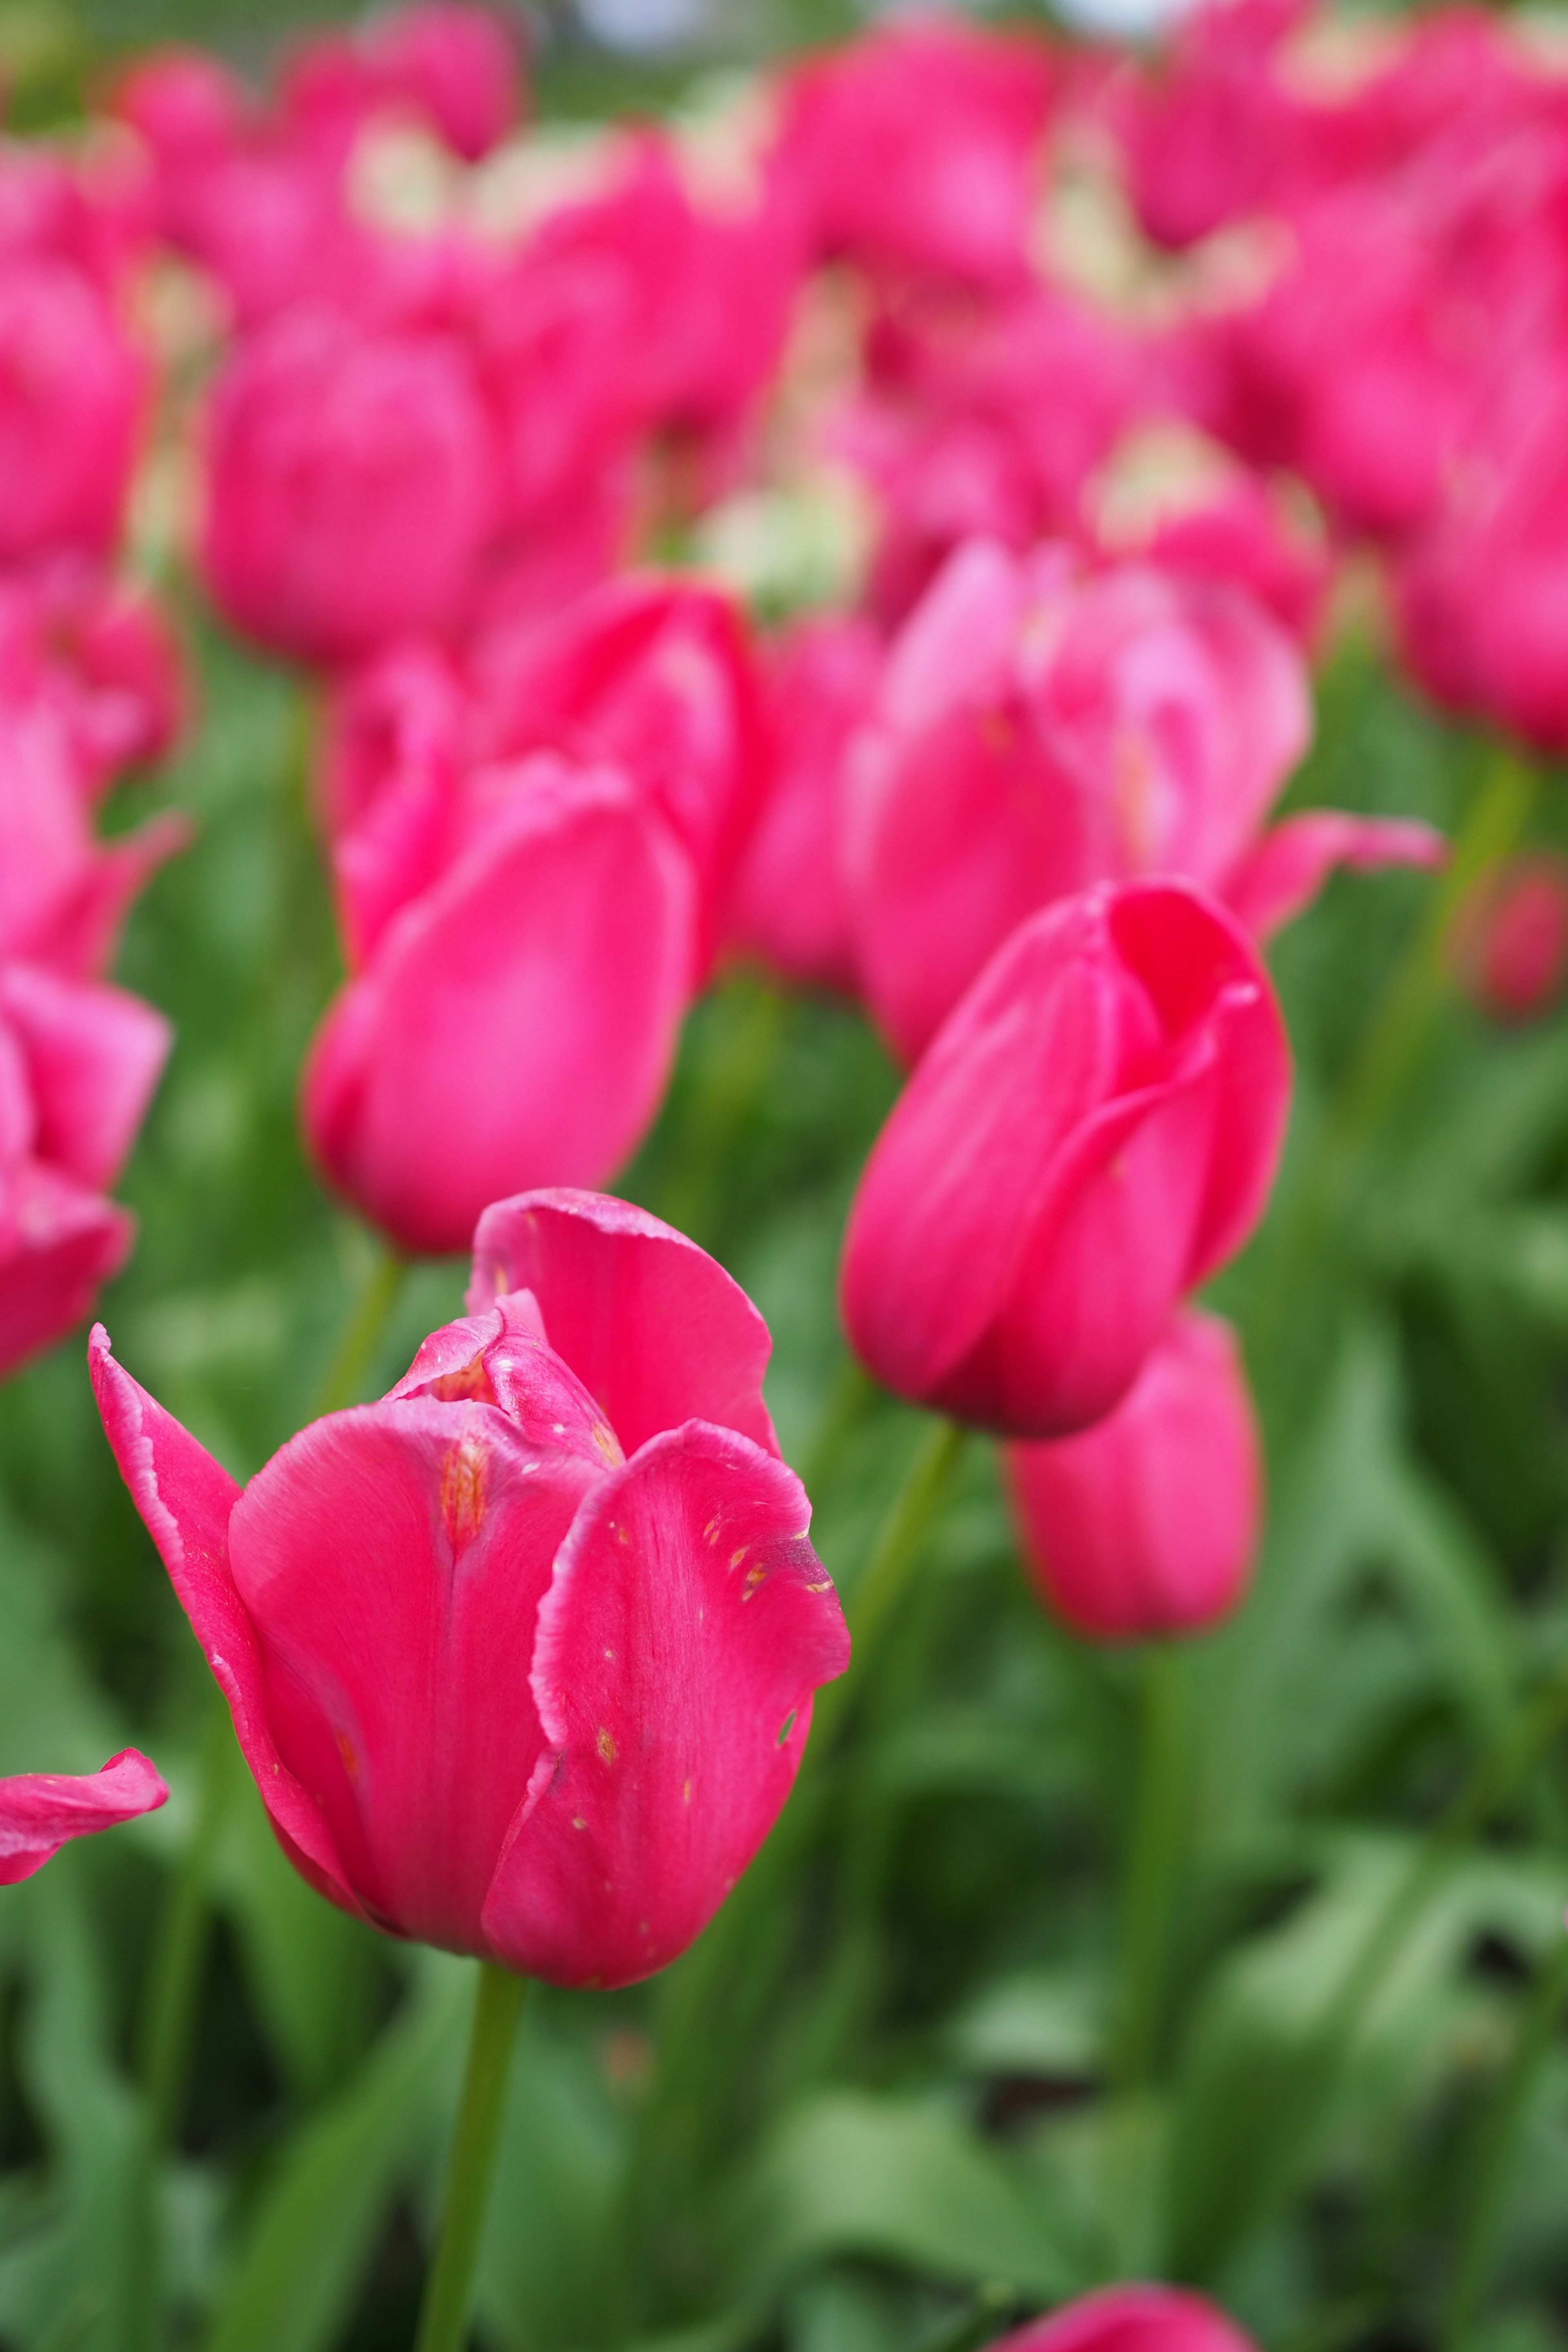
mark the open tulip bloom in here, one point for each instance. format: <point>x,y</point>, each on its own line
<point>522,1656</point>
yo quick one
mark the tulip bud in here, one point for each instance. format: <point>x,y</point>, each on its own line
<point>1148,1522</point>
<point>1093,1132</point>
<point>40,1811</point>
<point>562,1757</point>
<point>72,393</point>
<point>1131,2319</point>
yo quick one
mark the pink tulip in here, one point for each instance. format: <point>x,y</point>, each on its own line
<point>1511,936</point>
<point>562,1756</point>
<point>788,905</point>
<point>73,393</point>
<point>40,1811</point>
<point>451,65</point>
<point>1131,2319</point>
<point>525,950</point>
<point>913,149</point>
<point>1090,1135</point>
<point>656,675</point>
<point>78,1067</point>
<point>1148,1522</point>
<point>99,654</point>
<point>348,478</point>
<point>1243,537</point>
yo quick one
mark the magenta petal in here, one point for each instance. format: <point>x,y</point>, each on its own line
<point>94,1056</point>
<point>59,1241</point>
<point>84,928</point>
<point>39,1810</point>
<point>516,1023</point>
<point>1284,873</point>
<point>391,1560</point>
<point>651,1325</point>
<point>686,1626</point>
<point>187,1500</point>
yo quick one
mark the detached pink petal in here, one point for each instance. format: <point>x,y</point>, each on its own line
<point>94,1056</point>
<point>1280,877</point>
<point>651,1325</point>
<point>676,1701</point>
<point>40,1811</point>
<point>60,1242</point>
<point>187,1499</point>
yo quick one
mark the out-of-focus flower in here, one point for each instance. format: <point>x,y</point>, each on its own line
<point>102,656</point>
<point>523,946</point>
<point>78,1065</point>
<point>522,1656</point>
<point>1510,939</point>
<point>73,391</point>
<point>1131,2319</point>
<point>349,480</point>
<point>40,1811</point>
<point>1148,1522</point>
<point>913,150</point>
<point>788,904</point>
<point>451,66</point>
<point>1090,1135</point>
<point>655,674</point>
<point>1241,537</point>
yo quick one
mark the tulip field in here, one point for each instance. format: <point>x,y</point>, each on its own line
<point>783,1179</point>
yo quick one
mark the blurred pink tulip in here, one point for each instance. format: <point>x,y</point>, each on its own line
<point>1090,1135</point>
<point>40,1811</point>
<point>1131,2319</point>
<point>73,393</point>
<point>452,66</point>
<point>562,1757</point>
<point>527,956</point>
<point>349,480</point>
<point>1148,1522</point>
<point>1510,939</point>
<point>1243,537</point>
<point>78,1067</point>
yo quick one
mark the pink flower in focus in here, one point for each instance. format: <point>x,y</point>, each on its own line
<point>73,392</point>
<point>40,1811</point>
<point>1148,1522</point>
<point>1090,1135</point>
<point>788,904</point>
<point>1131,2319</point>
<point>78,1065</point>
<point>522,1656</point>
<point>348,478</point>
<point>913,149</point>
<point>522,938</point>
<point>1511,936</point>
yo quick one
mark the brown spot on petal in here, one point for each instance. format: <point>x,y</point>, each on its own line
<point>606,1746</point>
<point>607,1445</point>
<point>737,1556</point>
<point>471,1380</point>
<point>464,1477</point>
<point>346,1750</point>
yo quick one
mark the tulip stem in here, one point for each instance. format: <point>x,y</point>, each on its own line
<point>362,1334</point>
<point>1153,1863</point>
<point>449,2292</point>
<point>174,1984</point>
<point>1495,2152</point>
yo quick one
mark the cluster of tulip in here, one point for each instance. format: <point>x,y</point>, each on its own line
<point>522,1656</point>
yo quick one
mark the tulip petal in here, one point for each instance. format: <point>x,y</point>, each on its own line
<point>59,1241</point>
<point>651,1325</point>
<point>392,1560</point>
<point>83,930</point>
<point>686,1626</point>
<point>94,1056</point>
<point>187,1500</point>
<point>39,1810</point>
<point>516,1022</point>
<point>1284,873</point>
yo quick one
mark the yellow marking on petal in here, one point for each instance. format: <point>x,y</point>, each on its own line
<point>470,1380</point>
<point>685,1794</point>
<point>737,1556</point>
<point>464,1477</point>
<point>712,1530</point>
<point>607,1444</point>
<point>609,1653</point>
<point>578,1822</point>
<point>346,1750</point>
<point>606,1746</point>
<point>825,1586</point>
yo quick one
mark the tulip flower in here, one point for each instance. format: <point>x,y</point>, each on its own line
<point>40,1811</point>
<point>522,1656</point>
<point>348,475</point>
<point>1040,730</point>
<point>78,1067</point>
<point>1148,1522</point>
<point>523,956</point>
<point>1090,1135</point>
<point>449,64</point>
<point>1131,2319</point>
<point>73,391</point>
<point>1511,936</point>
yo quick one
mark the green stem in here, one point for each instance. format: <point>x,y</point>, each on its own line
<point>173,1985</point>
<point>362,1334</point>
<point>851,1392</point>
<point>1153,1865</point>
<point>1495,2157</point>
<point>449,2292</point>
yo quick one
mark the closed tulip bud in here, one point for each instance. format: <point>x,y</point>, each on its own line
<point>1510,938</point>
<point>1089,1136</point>
<point>349,475</point>
<point>40,1811</point>
<point>1131,2319</point>
<point>72,394</point>
<point>1148,1522</point>
<point>522,1656</point>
